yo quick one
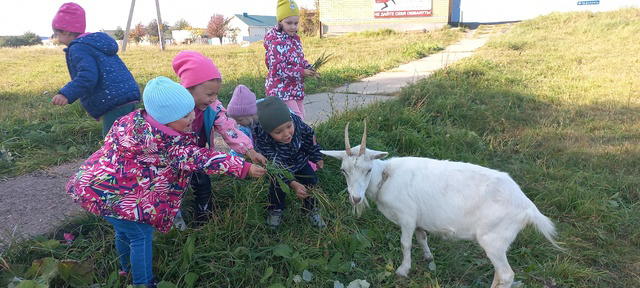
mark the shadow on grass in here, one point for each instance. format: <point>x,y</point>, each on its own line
<point>577,163</point>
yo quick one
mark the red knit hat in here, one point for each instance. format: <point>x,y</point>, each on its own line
<point>243,102</point>
<point>194,68</point>
<point>70,17</point>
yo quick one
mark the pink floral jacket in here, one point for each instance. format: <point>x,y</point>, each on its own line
<point>285,61</point>
<point>143,170</point>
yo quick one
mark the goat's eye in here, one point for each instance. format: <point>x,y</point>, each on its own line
<point>368,171</point>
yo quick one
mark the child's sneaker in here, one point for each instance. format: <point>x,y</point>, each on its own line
<point>274,218</point>
<point>315,219</point>
<point>179,223</point>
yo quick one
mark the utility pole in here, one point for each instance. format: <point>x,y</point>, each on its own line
<point>126,33</point>
<point>160,33</point>
<point>316,3</point>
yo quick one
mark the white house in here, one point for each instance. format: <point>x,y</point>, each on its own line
<point>495,11</point>
<point>251,28</point>
<point>181,36</point>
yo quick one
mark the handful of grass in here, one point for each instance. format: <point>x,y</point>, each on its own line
<point>274,172</point>
<point>321,61</point>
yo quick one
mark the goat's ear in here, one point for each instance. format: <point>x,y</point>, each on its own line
<point>378,154</point>
<point>334,153</point>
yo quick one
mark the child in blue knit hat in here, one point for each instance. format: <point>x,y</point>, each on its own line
<point>137,180</point>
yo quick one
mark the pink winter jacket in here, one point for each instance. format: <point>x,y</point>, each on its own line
<point>285,64</point>
<point>142,171</point>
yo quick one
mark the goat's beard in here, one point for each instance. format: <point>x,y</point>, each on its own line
<point>358,208</point>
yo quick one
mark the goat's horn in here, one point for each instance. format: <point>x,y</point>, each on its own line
<point>363,146</point>
<point>347,148</point>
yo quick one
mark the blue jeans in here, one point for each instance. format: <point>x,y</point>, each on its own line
<point>133,242</point>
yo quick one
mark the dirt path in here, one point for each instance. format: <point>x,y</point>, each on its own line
<point>37,203</point>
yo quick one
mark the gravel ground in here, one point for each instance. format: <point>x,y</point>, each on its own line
<point>36,203</point>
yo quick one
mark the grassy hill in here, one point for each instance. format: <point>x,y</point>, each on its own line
<point>554,103</point>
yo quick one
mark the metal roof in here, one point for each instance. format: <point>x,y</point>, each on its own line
<point>257,20</point>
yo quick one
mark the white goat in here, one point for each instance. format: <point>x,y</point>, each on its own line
<point>453,199</point>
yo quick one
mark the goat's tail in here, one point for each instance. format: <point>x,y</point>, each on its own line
<point>545,226</point>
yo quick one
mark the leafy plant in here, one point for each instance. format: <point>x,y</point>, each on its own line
<point>47,271</point>
<point>275,172</point>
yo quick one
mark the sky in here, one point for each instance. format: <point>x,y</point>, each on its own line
<point>20,16</point>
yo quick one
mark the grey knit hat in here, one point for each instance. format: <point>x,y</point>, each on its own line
<point>272,112</point>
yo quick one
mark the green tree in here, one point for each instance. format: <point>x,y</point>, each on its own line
<point>181,25</point>
<point>233,35</point>
<point>198,33</point>
<point>152,30</point>
<point>119,33</point>
<point>31,38</point>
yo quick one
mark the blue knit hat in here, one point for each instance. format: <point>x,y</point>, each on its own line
<point>167,101</point>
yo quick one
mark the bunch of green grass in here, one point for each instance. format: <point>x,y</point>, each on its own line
<point>321,61</point>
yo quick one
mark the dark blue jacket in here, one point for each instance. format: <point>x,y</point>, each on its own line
<point>294,155</point>
<point>98,77</point>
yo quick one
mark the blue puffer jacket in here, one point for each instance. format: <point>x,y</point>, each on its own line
<point>98,77</point>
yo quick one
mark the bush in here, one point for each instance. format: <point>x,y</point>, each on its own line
<point>119,33</point>
<point>309,22</point>
<point>28,39</point>
<point>420,49</point>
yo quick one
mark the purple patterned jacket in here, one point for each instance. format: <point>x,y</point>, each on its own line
<point>285,64</point>
<point>142,171</point>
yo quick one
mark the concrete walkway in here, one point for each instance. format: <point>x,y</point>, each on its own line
<point>319,107</point>
<point>38,201</point>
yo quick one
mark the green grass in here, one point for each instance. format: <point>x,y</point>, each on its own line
<point>29,123</point>
<point>554,102</point>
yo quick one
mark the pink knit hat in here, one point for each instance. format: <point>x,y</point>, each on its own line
<point>194,68</point>
<point>243,102</point>
<point>70,17</point>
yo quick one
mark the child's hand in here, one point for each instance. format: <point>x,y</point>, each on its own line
<point>256,171</point>
<point>59,100</point>
<point>257,157</point>
<point>311,73</point>
<point>301,190</point>
<point>320,164</point>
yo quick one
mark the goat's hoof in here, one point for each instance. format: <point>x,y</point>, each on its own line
<point>428,256</point>
<point>402,272</point>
